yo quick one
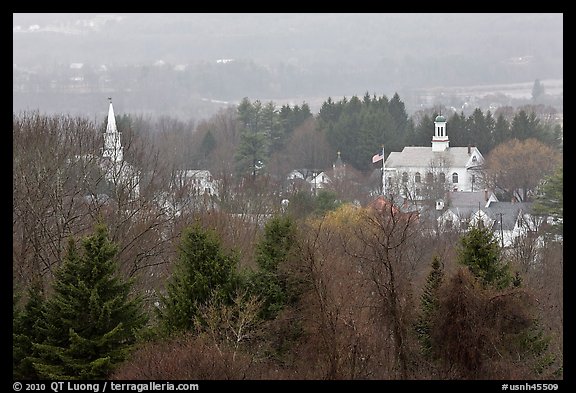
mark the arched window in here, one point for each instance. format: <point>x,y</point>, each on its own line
<point>404,177</point>
<point>417,177</point>
<point>474,159</point>
<point>429,177</point>
<point>442,177</point>
<point>454,177</point>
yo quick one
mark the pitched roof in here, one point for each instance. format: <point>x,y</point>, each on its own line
<point>470,199</point>
<point>508,210</point>
<point>415,156</point>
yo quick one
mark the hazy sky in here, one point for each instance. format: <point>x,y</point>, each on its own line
<point>224,56</point>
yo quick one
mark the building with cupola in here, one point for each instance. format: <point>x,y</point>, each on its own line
<point>428,172</point>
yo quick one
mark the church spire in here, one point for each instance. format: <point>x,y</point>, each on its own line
<point>112,138</point>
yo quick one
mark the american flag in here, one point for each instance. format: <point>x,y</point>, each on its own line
<point>377,157</point>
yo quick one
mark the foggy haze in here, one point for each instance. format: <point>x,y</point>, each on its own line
<point>190,65</point>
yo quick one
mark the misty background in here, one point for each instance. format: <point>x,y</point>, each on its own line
<point>191,65</point>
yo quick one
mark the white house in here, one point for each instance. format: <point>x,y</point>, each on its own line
<point>316,180</point>
<point>200,182</point>
<point>508,220</point>
<point>457,168</point>
<point>309,179</point>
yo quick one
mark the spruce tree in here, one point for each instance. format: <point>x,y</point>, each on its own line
<point>274,249</point>
<point>202,273</point>
<point>90,322</point>
<point>480,251</point>
<point>429,304</point>
<point>26,331</point>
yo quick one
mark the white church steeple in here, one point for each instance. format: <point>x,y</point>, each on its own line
<point>440,139</point>
<point>112,138</point>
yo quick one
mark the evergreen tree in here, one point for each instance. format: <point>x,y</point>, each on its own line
<point>501,131</point>
<point>252,151</point>
<point>305,113</point>
<point>274,249</point>
<point>90,322</point>
<point>457,130</point>
<point>422,132</point>
<point>326,201</point>
<point>550,200</point>
<point>398,113</point>
<point>208,143</point>
<point>26,331</point>
<point>525,126</point>
<point>272,128</point>
<point>480,251</point>
<point>202,273</point>
<point>429,304</point>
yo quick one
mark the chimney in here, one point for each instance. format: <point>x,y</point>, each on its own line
<point>469,149</point>
<point>485,195</point>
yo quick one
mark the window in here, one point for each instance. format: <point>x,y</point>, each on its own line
<point>442,177</point>
<point>474,159</point>
<point>429,177</point>
<point>454,177</point>
<point>473,178</point>
<point>404,177</point>
<point>417,177</point>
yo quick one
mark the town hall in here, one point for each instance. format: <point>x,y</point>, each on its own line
<point>427,172</point>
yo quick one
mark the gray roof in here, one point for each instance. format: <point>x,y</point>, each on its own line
<point>414,156</point>
<point>509,212</point>
<point>468,199</point>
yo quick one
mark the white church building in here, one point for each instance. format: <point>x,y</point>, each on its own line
<point>412,170</point>
<point>116,170</point>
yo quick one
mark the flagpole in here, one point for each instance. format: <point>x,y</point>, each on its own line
<point>383,173</point>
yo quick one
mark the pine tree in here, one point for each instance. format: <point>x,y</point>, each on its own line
<point>429,304</point>
<point>480,251</point>
<point>90,322</point>
<point>203,272</point>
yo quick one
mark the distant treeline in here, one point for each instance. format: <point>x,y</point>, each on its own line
<point>262,137</point>
<point>359,127</point>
